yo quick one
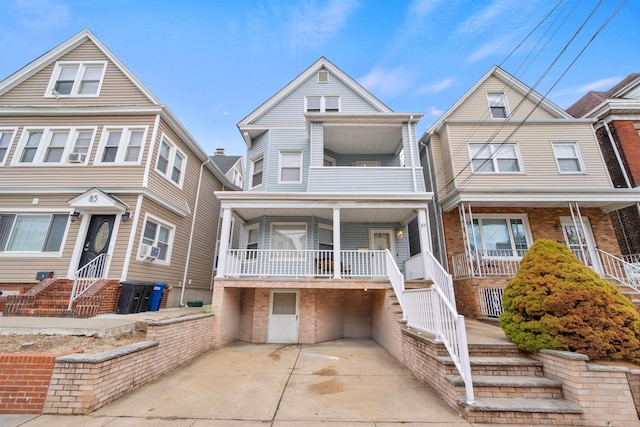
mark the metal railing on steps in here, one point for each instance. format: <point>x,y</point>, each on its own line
<point>86,276</point>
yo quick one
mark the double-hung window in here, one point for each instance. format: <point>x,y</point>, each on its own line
<point>495,158</point>
<point>6,136</point>
<point>158,234</point>
<point>568,157</point>
<point>322,104</point>
<point>171,162</point>
<point>32,232</point>
<point>121,145</point>
<point>252,236</point>
<point>499,236</point>
<point>53,146</point>
<point>497,105</point>
<point>290,167</point>
<point>76,79</point>
<point>325,238</point>
<point>256,172</point>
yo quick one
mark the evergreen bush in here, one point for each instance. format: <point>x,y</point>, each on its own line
<point>556,302</point>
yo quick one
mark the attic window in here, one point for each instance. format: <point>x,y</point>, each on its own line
<point>497,105</point>
<point>76,79</point>
<point>322,104</point>
<point>323,76</point>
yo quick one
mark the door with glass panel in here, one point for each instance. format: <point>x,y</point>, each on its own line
<point>580,241</point>
<point>283,316</point>
<point>98,238</point>
<point>380,240</point>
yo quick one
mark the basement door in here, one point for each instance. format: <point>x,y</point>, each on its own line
<point>283,317</point>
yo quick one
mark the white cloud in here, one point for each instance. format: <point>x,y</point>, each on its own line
<point>388,83</point>
<point>434,112</point>
<point>436,87</point>
<point>41,15</point>
<point>599,85</point>
<point>495,47</point>
<point>484,19</point>
<point>415,22</point>
<point>313,25</point>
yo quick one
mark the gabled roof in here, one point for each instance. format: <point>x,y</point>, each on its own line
<point>592,100</point>
<point>512,83</point>
<point>62,49</point>
<point>304,76</point>
<point>225,162</point>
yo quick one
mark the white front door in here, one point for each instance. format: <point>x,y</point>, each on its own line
<point>379,240</point>
<point>283,316</point>
<point>580,242</point>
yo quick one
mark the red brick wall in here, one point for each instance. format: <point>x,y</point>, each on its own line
<point>24,381</point>
<point>628,141</point>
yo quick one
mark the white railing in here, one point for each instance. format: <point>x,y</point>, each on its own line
<point>440,276</point>
<point>304,263</point>
<point>429,310</point>
<point>632,258</point>
<point>496,262</point>
<point>625,273</point>
<point>490,299</point>
<point>87,276</point>
<point>395,277</point>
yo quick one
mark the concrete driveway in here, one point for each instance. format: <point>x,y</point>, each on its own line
<point>345,383</point>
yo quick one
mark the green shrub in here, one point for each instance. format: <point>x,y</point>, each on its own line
<point>556,302</point>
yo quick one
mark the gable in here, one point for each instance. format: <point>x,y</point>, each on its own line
<point>116,89</point>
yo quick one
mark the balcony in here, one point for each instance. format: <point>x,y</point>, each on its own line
<point>377,179</point>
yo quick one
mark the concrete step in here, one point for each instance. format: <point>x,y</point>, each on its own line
<point>504,365</point>
<point>499,386</point>
<point>556,412</point>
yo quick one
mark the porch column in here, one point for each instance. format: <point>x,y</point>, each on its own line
<point>336,243</point>
<point>425,241</point>
<point>224,242</point>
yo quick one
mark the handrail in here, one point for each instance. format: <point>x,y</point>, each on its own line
<point>623,272</point>
<point>395,277</point>
<point>86,276</point>
<point>441,277</point>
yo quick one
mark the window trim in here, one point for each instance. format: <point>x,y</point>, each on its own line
<point>174,151</point>
<point>494,160</point>
<point>38,254</point>
<point>320,242</point>
<point>12,131</point>
<point>504,105</point>
<point>252,172</point>
<point>122,149</point>
<point>330,160</point>
<point>45,140</point>
<point>322,103</point>
<point>507,217</point>
<point>325,72</point>
<point>170,244</point>
<point>280,167</point>
<point>576,145</point>
<point>82,65</point>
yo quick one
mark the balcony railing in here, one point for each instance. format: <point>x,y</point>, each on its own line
<point>304,263</point>
<point>365,179</point>
<point>494,262</point>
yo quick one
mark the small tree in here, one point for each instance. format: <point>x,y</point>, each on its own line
<point>556,302</point>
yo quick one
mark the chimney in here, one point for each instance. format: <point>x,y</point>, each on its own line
<point>219,151</point>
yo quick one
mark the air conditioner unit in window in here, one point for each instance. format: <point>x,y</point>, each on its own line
<point>150,252</point>
<point>76,157</point>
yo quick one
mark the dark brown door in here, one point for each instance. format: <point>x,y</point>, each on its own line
<point>98,237</point>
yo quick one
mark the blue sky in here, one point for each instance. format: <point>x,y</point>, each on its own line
<point>212,62</point>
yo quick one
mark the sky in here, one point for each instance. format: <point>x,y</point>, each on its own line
<point>213,62</point>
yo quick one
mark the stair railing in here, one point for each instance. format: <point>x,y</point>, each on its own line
<point>623,272</point>
<point>86,276</point>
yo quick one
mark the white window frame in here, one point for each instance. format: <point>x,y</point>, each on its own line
<point>330,160</point>
<point>36,212</point>
<point>12,135</point>
<point>82,66</point>
<point>502,104</point>
<point>253,172</point>
<point>237,178</point>
<point>299,253</point>
<point>507,217</point>
<point>578,153</point>
<point>45,140</point>
<point>320,242</point>
<point>494,157</point>
<point>325,73</point>
<point>174,153</point>
<point>123,144</point>
<point>160,223</point>
<point>281,167</point>
<point>323,99</point>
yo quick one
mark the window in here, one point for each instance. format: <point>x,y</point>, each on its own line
<point>31,232</point>
<point>329,161</point>
<point>171,162</point>
<point>237,178</point>
<point>6,136</point>
<point>498,158</point>
<point>290,167</point>
<point>323,76</point>
<point>497,105</point>
<point>252,242</point>
<point>568,157</point>
<point>159,235</point>
<point>322,104</point>
<point>76,79</point>
<point>55,146</point>
<point>256,172</point>
<point>499,236</point>
<point>289,236</point>
<point>121,145</point>
<point>325,238</point>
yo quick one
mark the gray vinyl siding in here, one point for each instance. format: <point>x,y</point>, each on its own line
<point>116,89</point>
<point>291,109</point>
<point>317,151</point>
<point>286,140</point>
<point>259,148</point>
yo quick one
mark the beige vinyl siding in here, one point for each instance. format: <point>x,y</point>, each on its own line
<point>476,107</point>
<point>437,148</point>
<point>538,160</point>
<point>117,89</point>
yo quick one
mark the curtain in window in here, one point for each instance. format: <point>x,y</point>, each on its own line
<point>29,233</point>
<point>289,236</point>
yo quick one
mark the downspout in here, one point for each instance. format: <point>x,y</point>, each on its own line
<point>193,223</point>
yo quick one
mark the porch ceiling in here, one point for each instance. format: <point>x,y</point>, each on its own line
<point>363,139</point>
<point>346,214</point>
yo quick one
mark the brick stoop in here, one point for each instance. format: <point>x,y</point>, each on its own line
<point>50,298</point>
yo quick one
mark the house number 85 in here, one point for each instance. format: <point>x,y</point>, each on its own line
<point>93,198</point>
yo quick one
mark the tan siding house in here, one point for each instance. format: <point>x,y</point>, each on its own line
<point>98,170</point>
<point>510,168</point>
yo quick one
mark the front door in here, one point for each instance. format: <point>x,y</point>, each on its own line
<point>580,242</point>
<point>283,317</point>
<point>98,238</point>
<point>379,240</point>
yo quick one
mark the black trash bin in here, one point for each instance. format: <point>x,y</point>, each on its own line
<point>156,296</point>
<point>134,296</point>
<point>146,296</point>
